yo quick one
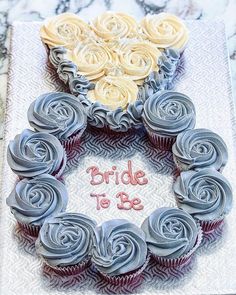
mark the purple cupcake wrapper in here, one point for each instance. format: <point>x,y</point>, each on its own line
<point>73,140</point>
<point>32,230</point>
<point>70,270</point>
<point>124,279</point>
<point>184,259</point>
<point>211,225</point>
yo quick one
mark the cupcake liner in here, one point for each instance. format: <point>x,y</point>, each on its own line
<point>32,230</point>
<point>210,226</point>
<point>124,279</point>
<point>160,141</point>
<point>70,270</point>
<point>73,140</point>
<point>184,259</point>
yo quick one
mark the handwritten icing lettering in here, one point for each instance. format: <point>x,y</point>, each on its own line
<point>128,204</point>
<point>101,201</point>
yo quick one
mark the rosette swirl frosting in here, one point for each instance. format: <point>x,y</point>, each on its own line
<point>57,54</point>
<point>66,239</point>
<point>57,113</point>
<point>138,59</point>
<point>111,25</point>
<point>169,113</point>
<point>34,153</point>
<point>91,59</point>
<point>205,194</point>
<point>165,30</point>
<point>66,29</point>
<point>198,149</point>
<point>170,232</point>
<point>34,200</point>
<point>114,92</point>
<point>119,248</point>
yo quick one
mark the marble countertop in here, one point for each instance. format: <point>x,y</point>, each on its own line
<point>37,10</point>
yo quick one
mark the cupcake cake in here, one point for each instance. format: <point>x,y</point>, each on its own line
<point>206,195</point>
<point>120,251</point>
<point>165,115</point>
<point>33,200</point>
<point>198,149</point>
<point>34,153</point>
<point>60,114</point>
<point>172,236</point>
<point>65,242</point>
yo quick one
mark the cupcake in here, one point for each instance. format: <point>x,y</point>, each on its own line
<point>172,236</point>
<point>60,114</point>
<point>198,149</point>
<point>120,251</point>
<point>34,200</point>
<point>206,195</point>
<point>34,153</point>
<point>65,242</point>
<point>165,115</point>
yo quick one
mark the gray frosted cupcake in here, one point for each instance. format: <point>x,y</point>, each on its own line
<point>60,114</point>
<point>198,149</point>
<point>206,195</point>
<point>65,242</point>
<point>165,115</point>
<point>33,200</point>
<point>120,251</point>
<point>34,153</point>
<point>172,236</point>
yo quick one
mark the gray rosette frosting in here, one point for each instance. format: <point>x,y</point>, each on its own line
<point>118,120</point>
<point>134,112</point>
<point>168,113</point>
<point>66,239</point>
<point>34,200</point>
<point>97,114</point>
<point>198,149</point>
<point>66,70</point>
<point>34,153</point>
<point>56,55</point>
<point>206,194</point>
<point>170,232</point>
<point>119,248</point>
<point>57,113</point>
<point>80,85</point>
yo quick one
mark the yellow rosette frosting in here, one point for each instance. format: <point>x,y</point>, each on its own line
<point>91,59</point>
<point>66,29</point>
<point>138,59</point>
<point>165,30</point>
<point>114,92</point>
<point>111,25</point>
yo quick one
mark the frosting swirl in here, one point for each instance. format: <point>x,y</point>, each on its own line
<point>111,25</point>
<point>66,239</point>
<point>206,194</point>
<point>66,29</point>
<point>80,85</point>
<point>169,113</point>
<point>198,149</point>
<point>91,58</point>
<point>97,115</point>
<point>165,30</point>
<point>34,200</point>
<point>114,92</point>
<point>66,70</point>
<point>170,232</point>
<point>119,248</point>
<point>57,54</point>
<point>57,113</point>
<point>118,120</point>
<point>34,153</point>
<point>138,59</point>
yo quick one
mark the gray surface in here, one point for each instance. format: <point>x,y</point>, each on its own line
<point>207,82</point>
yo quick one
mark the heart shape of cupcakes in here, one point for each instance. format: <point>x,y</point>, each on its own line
<point>113,64</point>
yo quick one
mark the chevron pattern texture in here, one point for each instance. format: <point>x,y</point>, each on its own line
<point>207,81</point>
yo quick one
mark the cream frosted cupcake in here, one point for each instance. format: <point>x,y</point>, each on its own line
<point>198,149</point>
<point>33,200</point>
<point>206,195</point>
<point>34,153</point>
<point>165,115</point>
<point>172,236</point>
<point>65,242</point>
<point>60,114</point>
<point>120,251</point>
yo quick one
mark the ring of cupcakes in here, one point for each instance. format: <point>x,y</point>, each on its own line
<point>114,44</point>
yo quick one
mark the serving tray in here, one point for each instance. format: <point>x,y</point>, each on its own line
<point>206,79</point>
